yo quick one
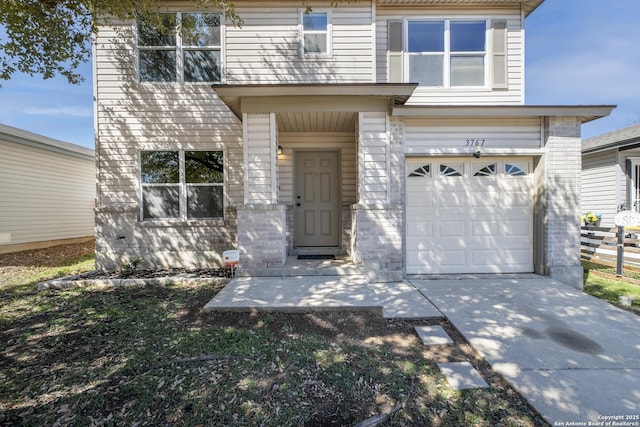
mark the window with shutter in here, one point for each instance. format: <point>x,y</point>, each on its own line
<point>499,54</point>
<point>394,43</point>
<point>446,53</point>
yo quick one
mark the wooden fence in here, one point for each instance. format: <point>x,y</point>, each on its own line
<point>602,244</point>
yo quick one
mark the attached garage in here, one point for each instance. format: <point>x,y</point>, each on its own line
<point>468,215</point>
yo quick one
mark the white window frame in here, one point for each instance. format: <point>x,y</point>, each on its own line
<point>446,67</point>
<point>634,184</point>
<point>179,49</point>
<point>183,187</point>
<point>328,32</point>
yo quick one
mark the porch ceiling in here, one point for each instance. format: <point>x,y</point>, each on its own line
<point>317,122</point>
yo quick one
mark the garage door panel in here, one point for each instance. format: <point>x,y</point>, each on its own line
<point>476,224</point>
<point>484,228</point>
<point>517,256</point>
<point>426,201</point>
<point>427,260</point>
<point>420,229</point>
<point>485,257</point>
<point>486,200</point>
<point>516,200</point>
<point>451,229</point>
<point>517,228</point>
<point>452,200</point>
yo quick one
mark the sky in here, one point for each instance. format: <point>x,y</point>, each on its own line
<point>578,52</point>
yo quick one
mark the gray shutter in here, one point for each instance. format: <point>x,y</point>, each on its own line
<point>499,54</point>
<point>394,52</point>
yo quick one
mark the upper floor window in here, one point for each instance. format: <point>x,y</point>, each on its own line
<point>179,47</point>
<point>446,53</point>
<point>315,34</point>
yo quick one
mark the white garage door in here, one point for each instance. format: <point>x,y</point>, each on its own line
<point>469,215</point>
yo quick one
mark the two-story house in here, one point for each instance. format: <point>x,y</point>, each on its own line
<point>392,131</point>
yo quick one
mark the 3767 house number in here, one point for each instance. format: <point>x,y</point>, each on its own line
<point>472,142</point>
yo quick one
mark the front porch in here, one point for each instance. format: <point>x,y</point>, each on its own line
<point>320,166</point>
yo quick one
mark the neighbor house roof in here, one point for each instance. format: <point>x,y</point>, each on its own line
<point>23,137</point>
<point>617,139</point>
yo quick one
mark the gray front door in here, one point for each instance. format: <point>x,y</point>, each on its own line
<point>316,201</point>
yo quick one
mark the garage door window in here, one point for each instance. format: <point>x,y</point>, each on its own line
<point>423,171</point>
<point>483,169</point>
<point>516,169</point>
<point>452,169</point>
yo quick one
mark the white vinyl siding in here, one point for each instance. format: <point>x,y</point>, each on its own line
<point>259,152</point>
<point>44,195</point>
<point>599,185</point>
<point>266,49</point>
<point>134,116</point>
<point>450,135</point>
<point>513,94</point>
<point>373,158</point>
<point>292,142</point>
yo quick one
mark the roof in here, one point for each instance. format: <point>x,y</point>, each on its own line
<point>527,5</point>
<point>617,139</point>
<point>23,137</point>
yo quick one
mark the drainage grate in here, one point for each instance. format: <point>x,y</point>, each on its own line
<point>316,257</point>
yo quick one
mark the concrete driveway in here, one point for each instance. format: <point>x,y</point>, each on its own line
<point>574,357</point>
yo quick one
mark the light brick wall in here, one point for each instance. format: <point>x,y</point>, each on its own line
<point>562,171</point>
<point>121,237</point>
<point>262,237</point>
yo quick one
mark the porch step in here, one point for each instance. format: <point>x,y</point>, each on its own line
<point>341,266</point>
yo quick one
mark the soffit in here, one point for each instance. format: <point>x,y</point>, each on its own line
<point>527,5</point>
<point>335,121</point>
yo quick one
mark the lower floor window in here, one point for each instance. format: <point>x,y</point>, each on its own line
<point>182,184</point>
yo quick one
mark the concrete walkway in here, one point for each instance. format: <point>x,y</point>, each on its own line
<point>323,293</point>
<point>574,357</point>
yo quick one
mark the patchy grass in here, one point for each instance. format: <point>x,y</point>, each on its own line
<point>630,273</point>
<point>150,356</point>
<point>29,267</point>
<point>610,289</point>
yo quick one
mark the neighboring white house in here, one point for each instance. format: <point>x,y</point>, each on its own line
<point>611,173</point>
<point>392,131</point>
<point>47,191</point>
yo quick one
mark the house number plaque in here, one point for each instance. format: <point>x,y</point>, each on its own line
<point>474,142</point>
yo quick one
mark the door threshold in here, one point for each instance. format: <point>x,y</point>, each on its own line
<point>317,250</point>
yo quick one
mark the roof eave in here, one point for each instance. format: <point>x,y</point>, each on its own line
<point>231,95</point>
<point>617,145</point>
<point>23,137</point>
<point>586,113</point>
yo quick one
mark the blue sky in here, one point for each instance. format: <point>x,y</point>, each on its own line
<point>579,52</point>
